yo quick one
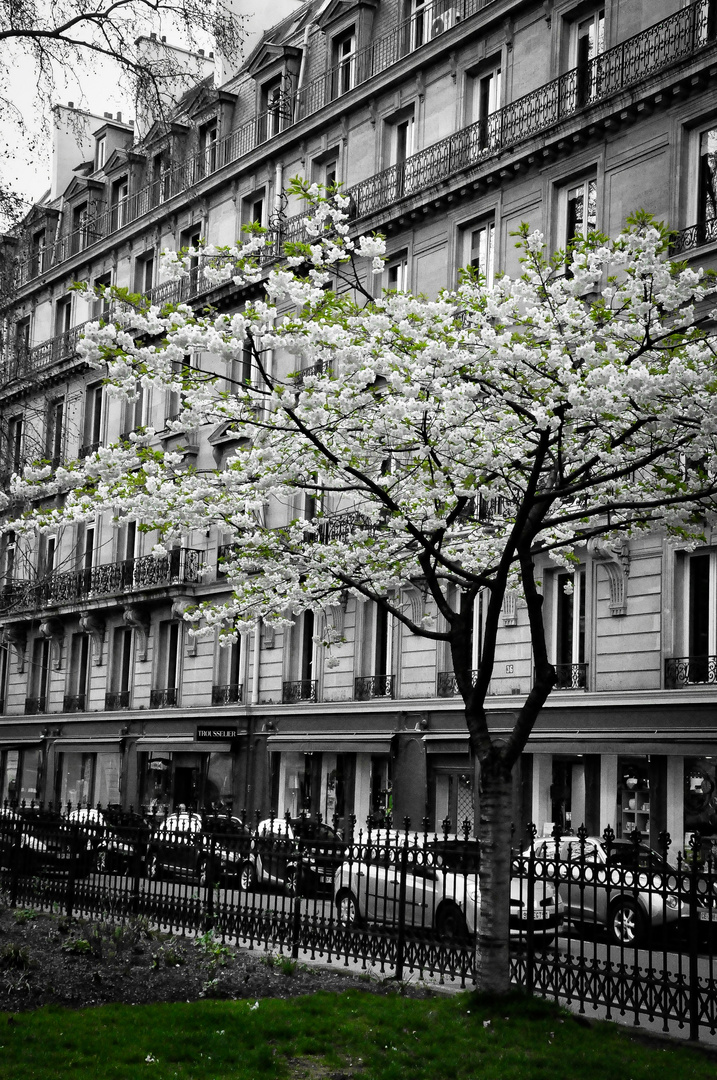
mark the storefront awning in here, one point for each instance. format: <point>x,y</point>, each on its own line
<point>364,743</point>
<point>446,742</point>
<point>180,744</point>
<point>88,746</point>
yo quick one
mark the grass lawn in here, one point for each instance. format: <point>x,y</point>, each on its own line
<point>332,1037</point>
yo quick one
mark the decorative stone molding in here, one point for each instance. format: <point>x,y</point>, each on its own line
<point>616,560</point>
<point>267,636</point>
<point>54,631</point>
<point>138,621</point>
<point>180,606</point>
<point>94,625</point>
<point>335,614</point>
<point>17,637</point>
<point>510,608</point>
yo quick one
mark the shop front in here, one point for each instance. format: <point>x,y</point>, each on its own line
<point>335,776</point>
<point>21,772</point>
<point>88,773</point>
<point>184,772</point>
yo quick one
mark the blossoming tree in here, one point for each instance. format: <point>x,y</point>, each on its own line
<point>443,445</point>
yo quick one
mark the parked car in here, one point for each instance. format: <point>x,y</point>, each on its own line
<point>187,845</point>
<point>280,846</point>
<point>122,843</point>
<point>35,841</point>
<point>626,888</point>
<point>442,891</point>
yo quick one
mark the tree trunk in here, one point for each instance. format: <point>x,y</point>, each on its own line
<point>492,939</point>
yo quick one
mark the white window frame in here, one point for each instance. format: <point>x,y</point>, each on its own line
<point>345,56</point>
<point>485,225</point>
<point>396,272</point>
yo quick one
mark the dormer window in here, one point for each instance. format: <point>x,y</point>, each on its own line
<point>272,107</point>
<point>37,252</point>
<point>80,228</point>
<point>208,148</point>
<point>100,152</point>
<point>345,62</point>
<point>120,202</point>
<point>160,178</point>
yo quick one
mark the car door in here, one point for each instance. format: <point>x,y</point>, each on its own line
<point>582,888</point>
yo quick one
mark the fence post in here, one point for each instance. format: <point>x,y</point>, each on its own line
<point>72,877</point>
<point>209,919</point>
<point>401,942</point>
<point>530,904</point>
<point>696,846</point>
<point>296,900</point>
<point>15,861</point>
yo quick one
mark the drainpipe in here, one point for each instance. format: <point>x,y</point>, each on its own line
<point>256,665</point>
<point>302,70</point>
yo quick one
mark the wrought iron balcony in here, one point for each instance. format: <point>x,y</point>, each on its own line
<point>342,526</point>
<point>35,705</point>
<point>571,677</point>
<point>117,699</point>
<point>447,684</point>
<point>367,687</point>
<point>89,448</point>
<point>690,671</point>
<point>178,567</point>
<point>25,360</point>
<point>73,703</point>
<point>704,232</point>
<point>161,699</point>
<point>229,694</point>
<point>299,690</point>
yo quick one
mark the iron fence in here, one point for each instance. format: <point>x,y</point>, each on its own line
<point>600,922</point>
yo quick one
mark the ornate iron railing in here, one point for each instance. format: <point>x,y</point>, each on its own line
<point>164,697</point>
<point>447,684</point>
<point>675,38</point>
<point>342,526</point>
<point>23,360</point>
<point>179,566</point>
<point>229,694</point>
<point>89,448</point>
<point>367,687</point>
<point>35,705</point>
<point>299,690</point>
<point>690,671</point>
<point>571,677</point>
<point>73,703</point>
<point>117,699</point>
<point>704,232</point>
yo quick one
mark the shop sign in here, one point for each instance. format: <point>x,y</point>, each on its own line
<point>158,766</point>
<point>216,734</point>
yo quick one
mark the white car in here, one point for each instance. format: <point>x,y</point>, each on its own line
<point>442,892</point>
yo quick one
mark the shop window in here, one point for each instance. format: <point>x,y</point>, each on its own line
<point>344,56</point>
<point>106,779</point>
<point>381,791</point>
<point>155,771</point>
<point>633,797</point>
<point>92,427</point>
<point>10,790</point>
<point>700,807</point>
<point>75,779</point>
<point>218,787</point>
<point>119,202</point>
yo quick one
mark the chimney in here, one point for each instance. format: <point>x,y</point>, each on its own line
<point>70,104</point>
<point>119,117</point>
<point>108,116</point>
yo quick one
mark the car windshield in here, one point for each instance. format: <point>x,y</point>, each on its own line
<point>460,856</point>
<point>634,857</point>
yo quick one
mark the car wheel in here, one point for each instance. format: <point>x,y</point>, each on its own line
<point>247,877</point>
<point>626,923</point>
<point>451,923</point>
<point>152,867</point>
<point>347,910</point>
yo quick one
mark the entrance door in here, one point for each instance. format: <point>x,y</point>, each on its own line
<point>185,786</point>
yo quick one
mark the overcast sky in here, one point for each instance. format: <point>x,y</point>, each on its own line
<point>26,162</point>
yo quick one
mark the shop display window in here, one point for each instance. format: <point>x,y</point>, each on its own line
<point>700,806</point>
<point>11,775</point>
<point>218,783</point>
<point>634,797</point>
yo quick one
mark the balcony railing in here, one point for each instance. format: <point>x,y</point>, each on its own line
<point>163,698</point>
<point>690,671</point>
<point>230,694</point>
<point>35,705</point>
<point>368,687</point>
<point>704,232</point>
<point>89,448</point>
<point>571,677</point>
<point>117,699</point>
<point>447,684</point>
<point>23,360</point>
<point>675,38</point>
<point>180,566</point>
<point>299,690</point>
<point>73,703</point>
<point>342,526</point>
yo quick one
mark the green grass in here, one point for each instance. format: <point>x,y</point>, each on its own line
<point>350,1035</point>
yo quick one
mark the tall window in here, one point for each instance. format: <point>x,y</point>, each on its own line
<point>253,207</point>
<point>401,135</point>
<point>702,610</point>
<point>345,62</point>
<point>100,152</point>
<point>38,681</point>
<point>101,304</point>
<point>86,555</point>
<point>133,416</point>
<point>569,629</point>
<point>38,248</point>
<point>167,670</point>
<point>78,674</point>
<point>63,317</point>
<point>208,148</point>
<point>92,436</point>
<point>707,192</point>
<point>9,551</point>
<point>22,337</point>
<point>161,182</point>
<point>55,431</point>
<point>485,103</point>
<point>118,696</point>
<point>271,108</point>
<point>397,273</point>
<point>15,444</point>
<point>481,253</point>
<point>80,228</point>
<point>588,44</point>
<point>228,688</point>
<point>144,272</point>
<point>120,202</point>
<point>307,647</point>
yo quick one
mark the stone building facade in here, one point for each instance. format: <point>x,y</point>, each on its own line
<point>450,122</point>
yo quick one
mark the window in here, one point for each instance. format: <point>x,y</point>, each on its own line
<point>100,151</point>
<point>144,272</point>
<point>481,249</point>
<point>325,170</point>
<point>588,42</point>
<point>15,444</point>
<point>101,304</point>
<point>253,207</point>
<point>168,661</point>
<point>175,398</point>
<point>400,133</point>
<point>272,109</point>
<point>208,148</point>
<point>9,551</point>
<point>700,627</point>
<point>345,62</point>
<point>133,415</point>
<point>118,696</point>
<point>161,182</point>
<point>55,431</point>
<point>119,202</point>
<point>39,677</point>
<point>377,655</point>
<point>306,673</point>
<point>485,97</point>
<point>78,674</point>
<point>80,228</point>
<point>191,238</point>
<point>569,629</point>
<point>86,553</point>
<point>38,246</point>
<point>63,317</point>
<point>707,177</point>
<point>48,555</point>
<point>22,337</point>
<point>92,433</point>
<point>429,19</point>
<point>579,211</point>
<point>397,273</point>
<point>227,688</point>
